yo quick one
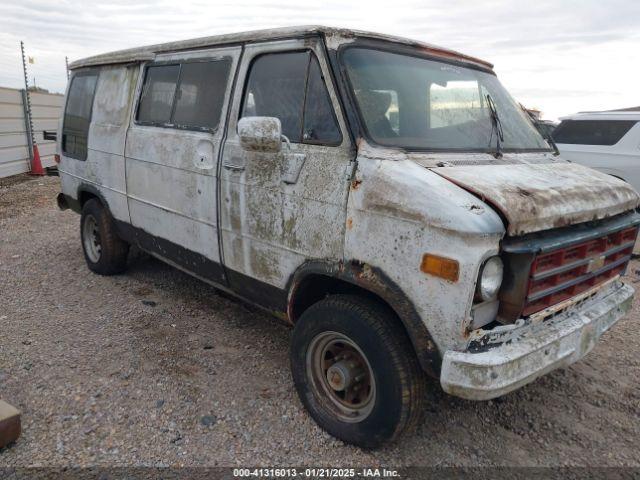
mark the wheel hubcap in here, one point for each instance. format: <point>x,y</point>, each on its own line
<point>91,238</point>
<point>341,376</point>
<point>344,374</point>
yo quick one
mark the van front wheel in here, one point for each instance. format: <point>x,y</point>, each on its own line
<point>355,370</point>
<point>104,251</point>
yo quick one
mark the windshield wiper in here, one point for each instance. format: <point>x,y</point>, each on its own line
<point>549,138</point>
<point>496,125</point>
<point>545,133</point>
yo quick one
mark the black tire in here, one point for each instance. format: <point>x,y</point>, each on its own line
<point>399,381</point>
<point>109,254</point>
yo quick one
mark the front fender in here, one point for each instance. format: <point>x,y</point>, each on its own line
<point>397,212</point>
<point>375,281</point>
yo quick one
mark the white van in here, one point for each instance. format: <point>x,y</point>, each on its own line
<point>385,197</point>
<point>606,141</point>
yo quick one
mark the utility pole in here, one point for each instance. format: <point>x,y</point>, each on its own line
<point>27,103</point>
<point>66,63</point>
<point>34,154</point>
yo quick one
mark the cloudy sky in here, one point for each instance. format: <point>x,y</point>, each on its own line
<point>559,56</point>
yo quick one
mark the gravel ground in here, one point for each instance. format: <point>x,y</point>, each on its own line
<point>156,368</point>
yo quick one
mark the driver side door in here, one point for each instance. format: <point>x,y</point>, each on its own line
<point>279,209</point>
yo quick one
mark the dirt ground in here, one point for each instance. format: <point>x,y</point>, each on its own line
<point>155,368</point>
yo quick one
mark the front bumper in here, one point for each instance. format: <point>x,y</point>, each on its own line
<point>498,363</point>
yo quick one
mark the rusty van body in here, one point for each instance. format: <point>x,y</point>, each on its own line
<point>386,197</point>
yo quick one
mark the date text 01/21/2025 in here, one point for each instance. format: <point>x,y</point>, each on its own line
<point>315,472</point>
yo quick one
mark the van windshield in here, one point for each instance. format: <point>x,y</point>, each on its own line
<point>414,103</point>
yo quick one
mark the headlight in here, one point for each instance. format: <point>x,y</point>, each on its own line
<point>490,279</point>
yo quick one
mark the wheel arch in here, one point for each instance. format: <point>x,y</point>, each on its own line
<point>314,280</point>
<point>86,192</point>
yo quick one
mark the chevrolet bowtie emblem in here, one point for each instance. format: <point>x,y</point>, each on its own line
<point>595,264</point>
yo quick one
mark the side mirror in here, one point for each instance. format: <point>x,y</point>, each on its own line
<point>260,134</point>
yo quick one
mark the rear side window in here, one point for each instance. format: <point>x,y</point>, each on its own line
<point>592,132</point>
<point>187,95</point>
<point>290,87</point>
<point>77,115</point>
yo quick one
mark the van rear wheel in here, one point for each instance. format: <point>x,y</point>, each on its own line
<point>355,370</point>
<point>104,252</point>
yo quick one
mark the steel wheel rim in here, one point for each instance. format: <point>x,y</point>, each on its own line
<point>341,376</point>
<point>91,238</point>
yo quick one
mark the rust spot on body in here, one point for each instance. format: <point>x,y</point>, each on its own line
<point>523,192</point>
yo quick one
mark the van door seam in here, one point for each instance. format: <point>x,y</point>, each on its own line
<point>221,149</point>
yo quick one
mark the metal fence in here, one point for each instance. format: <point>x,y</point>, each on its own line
<point>46,108</point>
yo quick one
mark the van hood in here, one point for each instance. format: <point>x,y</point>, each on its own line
<point>541,196</point>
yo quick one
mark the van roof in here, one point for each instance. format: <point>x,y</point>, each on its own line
<point>139,54</point>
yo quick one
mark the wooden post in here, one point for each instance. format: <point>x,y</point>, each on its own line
<point>9,424</point>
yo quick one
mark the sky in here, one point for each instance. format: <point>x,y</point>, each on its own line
<point>559,56</point>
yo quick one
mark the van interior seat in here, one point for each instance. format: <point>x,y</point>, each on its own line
<point>374,105</point>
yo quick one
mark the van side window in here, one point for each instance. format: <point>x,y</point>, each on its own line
<point>290,87</point>
<point>188,95</point>
<point>158,92</point>
<point>201,94</point>
<point>276,86</point>
<point>320,124</point>
<point>77,115</point>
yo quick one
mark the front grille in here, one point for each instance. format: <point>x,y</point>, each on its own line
<point>564,272</point>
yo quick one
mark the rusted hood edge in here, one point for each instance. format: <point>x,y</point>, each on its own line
<point>539,197</point>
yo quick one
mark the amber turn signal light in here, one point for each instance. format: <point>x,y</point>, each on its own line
<point>442,267</point>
